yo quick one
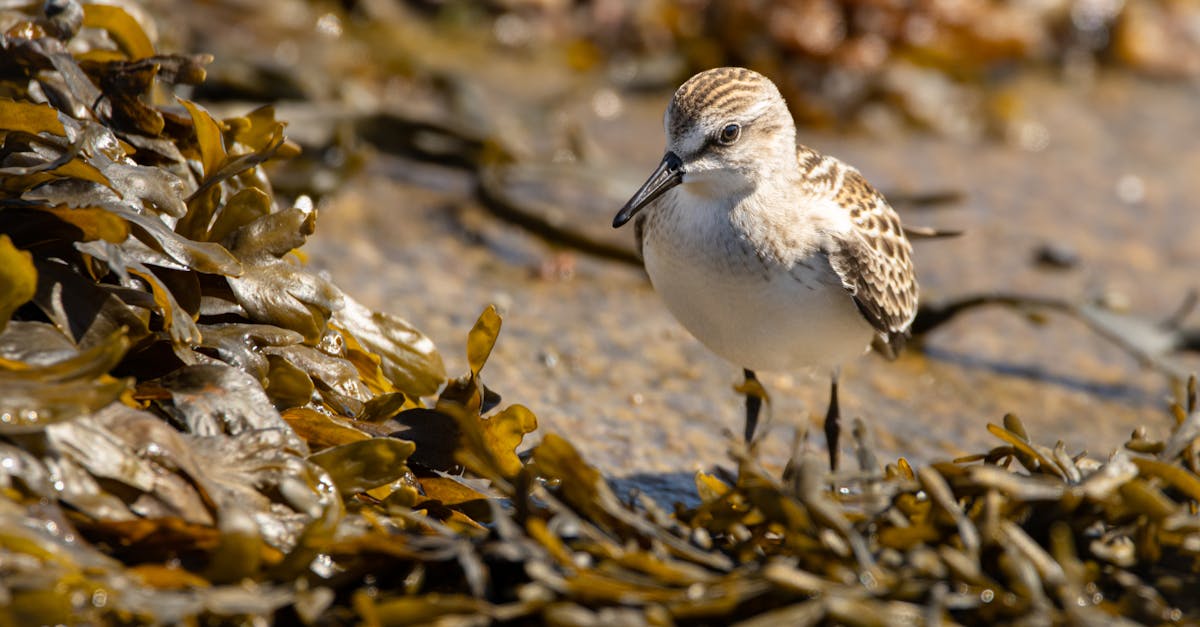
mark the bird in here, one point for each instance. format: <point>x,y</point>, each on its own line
<point>773,255</point>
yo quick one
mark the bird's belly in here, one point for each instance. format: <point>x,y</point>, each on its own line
<point>758,317</point>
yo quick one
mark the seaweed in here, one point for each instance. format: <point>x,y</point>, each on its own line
<point>194,427</point>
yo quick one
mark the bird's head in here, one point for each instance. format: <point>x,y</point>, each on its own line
<point>727,130</point>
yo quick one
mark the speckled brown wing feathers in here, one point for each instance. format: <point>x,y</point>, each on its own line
<point>874,261</point>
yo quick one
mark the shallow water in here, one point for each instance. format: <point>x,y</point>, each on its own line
<point>588,346</point>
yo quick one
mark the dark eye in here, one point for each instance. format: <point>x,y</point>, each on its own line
<point>729,134</point>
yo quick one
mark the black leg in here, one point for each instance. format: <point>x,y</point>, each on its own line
<point>832,428</point>
<point>753,405</point>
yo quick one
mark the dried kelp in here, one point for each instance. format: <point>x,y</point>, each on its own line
<point>937,65</point>
<point>194,427</point>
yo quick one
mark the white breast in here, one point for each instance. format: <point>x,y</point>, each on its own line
<point>758,314</point>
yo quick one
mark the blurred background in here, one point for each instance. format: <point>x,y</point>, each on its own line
<point>466,153</point>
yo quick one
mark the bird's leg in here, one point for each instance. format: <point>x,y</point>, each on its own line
<point>832,427</point>
<point>753,405</point>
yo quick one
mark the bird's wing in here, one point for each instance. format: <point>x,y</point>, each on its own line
<point>874,261</point>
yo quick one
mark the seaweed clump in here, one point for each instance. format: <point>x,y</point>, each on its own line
<point>943,66</point>
<point>183,406</point>
<point>195,427</point>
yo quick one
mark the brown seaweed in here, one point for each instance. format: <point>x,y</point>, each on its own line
<point>195,427</point>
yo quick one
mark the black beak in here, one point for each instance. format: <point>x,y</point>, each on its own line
<point>668,174</point>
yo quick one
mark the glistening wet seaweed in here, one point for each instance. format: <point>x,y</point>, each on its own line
<point>196,427</point>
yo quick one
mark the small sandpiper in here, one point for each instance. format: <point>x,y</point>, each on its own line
<point>772,255</point>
